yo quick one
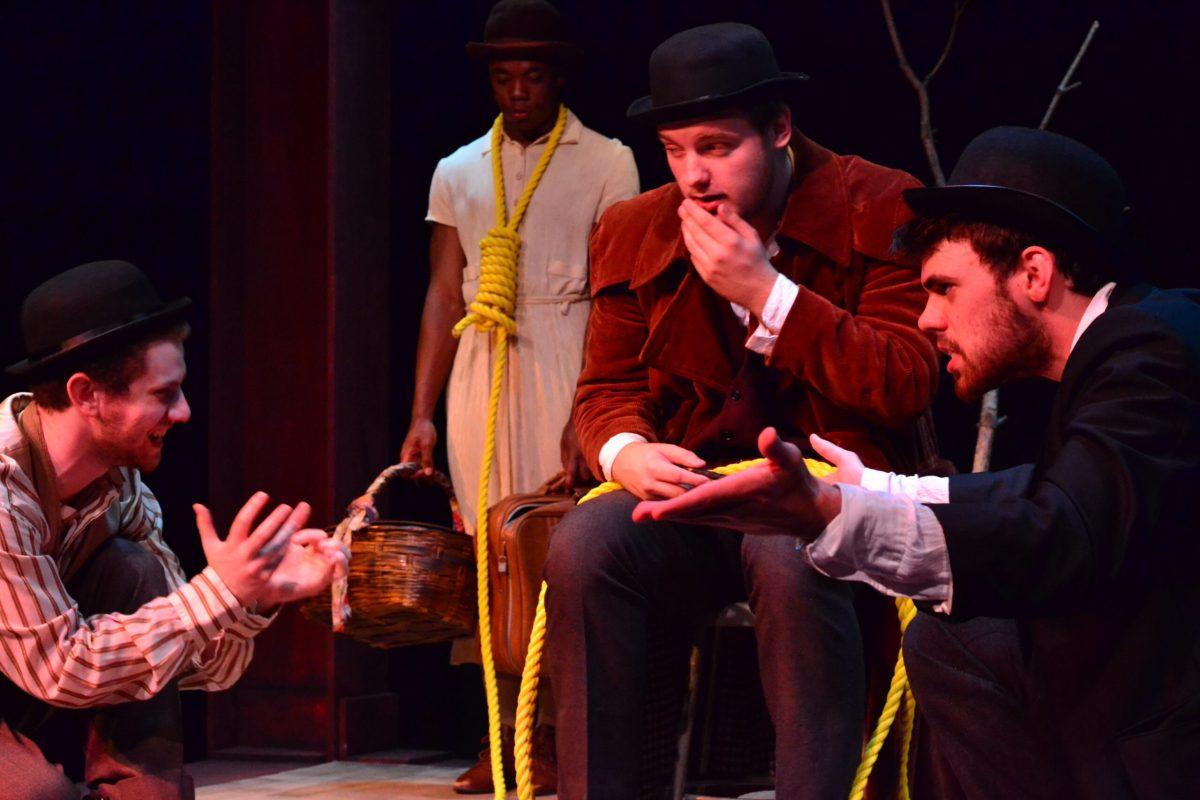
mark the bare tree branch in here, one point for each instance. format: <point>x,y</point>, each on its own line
<point>921,85</point>
<point>959,8</point>
<point>989,418</point>
<point>1065,84</point>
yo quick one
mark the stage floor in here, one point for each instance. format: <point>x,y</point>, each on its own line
<point>251,780</point>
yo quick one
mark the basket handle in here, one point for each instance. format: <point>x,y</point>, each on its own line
<point>364,507</point>
<point>362,512</point>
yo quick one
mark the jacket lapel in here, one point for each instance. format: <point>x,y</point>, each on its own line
<point>692,337</point>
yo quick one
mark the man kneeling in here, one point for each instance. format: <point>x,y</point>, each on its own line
<point>94,609</point>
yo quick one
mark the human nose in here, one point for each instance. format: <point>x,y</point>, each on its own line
<point>180,411</point>
<point>932,318</point>
<point>695,171</point>
<point>518,90</point>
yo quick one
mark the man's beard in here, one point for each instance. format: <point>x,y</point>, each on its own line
<point>1015,346</point>
<point>118,452</point>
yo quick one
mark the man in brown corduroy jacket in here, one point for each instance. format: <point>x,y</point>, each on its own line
<point>757,289</point>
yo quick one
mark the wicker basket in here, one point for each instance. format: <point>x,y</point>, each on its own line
<point>409,582</point>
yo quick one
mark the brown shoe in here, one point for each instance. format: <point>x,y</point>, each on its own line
<point>478,779</point>
<point>545,762</point>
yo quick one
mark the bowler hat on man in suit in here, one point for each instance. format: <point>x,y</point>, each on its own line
<point>1039,181</point>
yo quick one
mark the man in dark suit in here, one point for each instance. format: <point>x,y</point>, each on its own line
<point>1059,651</point>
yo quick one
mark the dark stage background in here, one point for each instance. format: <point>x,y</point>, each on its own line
<point>111,124</point>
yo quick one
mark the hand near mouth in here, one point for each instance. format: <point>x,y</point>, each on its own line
<point>728,254</point>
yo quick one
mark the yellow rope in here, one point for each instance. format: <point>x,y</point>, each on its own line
<point>492,311</point>
<point>898,693</point>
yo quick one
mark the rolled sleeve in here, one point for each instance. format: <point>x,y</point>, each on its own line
<point>889,542</point>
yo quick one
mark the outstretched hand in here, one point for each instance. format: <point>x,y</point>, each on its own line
<point>777,497</point>
<point>275,561</point>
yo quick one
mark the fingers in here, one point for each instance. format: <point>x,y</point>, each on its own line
<point>830,451</point>
<point>726,214</point>
<point>204,524</point>
<point>663,489</point>
<point>246,516</point>
<point>698,248</point>
<point>710,227</point>
<point>706,502</point>
<point>266,530</point>
<point>279,540</point>
<point>681,456</point>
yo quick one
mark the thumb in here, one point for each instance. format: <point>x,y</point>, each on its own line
<point>829,451</point>
<point>209,539</point>
<point>784,455</point>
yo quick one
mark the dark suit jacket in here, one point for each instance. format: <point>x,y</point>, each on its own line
<point>1095,550</point>
<point>665,355</point>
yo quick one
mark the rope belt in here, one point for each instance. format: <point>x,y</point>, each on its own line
<point>899,698</point>
<point>492,312</point>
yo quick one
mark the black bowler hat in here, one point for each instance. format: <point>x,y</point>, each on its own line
<point>1038,181</point>
<point>519,30</point>
<point>86,312</point>
<point>707,69</point>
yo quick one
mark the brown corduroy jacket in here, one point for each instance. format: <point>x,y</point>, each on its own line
<point>665,355</point>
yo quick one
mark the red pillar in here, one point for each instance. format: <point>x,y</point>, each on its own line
<point>299,319</point>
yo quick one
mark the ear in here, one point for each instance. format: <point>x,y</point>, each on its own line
<point>781,129</point>
<point>1035,273</point>
<point>83,393</point>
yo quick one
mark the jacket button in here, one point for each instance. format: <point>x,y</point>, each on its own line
<point>735,395</point>
<point>726,436</point>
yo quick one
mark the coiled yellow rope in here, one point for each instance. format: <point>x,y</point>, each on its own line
<point>492,311</point>
<point>899,694</point>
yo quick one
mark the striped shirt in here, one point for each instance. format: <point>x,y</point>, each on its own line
<point>198,633</point>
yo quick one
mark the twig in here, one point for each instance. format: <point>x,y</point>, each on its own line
<point>921,85</point>
<point>989,419</point>
<point>1065,84</point>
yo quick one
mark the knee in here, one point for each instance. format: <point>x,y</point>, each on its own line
<point>121,576</point>
<point>776,572</point>
<point>587,544</point>
<point>922,639</point>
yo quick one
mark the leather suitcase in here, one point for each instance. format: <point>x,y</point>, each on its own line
<point>519,530</point>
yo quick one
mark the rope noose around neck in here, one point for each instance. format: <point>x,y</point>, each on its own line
<point>492,312</point>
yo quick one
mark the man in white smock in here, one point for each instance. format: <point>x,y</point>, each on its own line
<point>527,56</point>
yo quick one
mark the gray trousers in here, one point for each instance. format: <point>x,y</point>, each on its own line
<point>613,583</point>
<point>131,751</point>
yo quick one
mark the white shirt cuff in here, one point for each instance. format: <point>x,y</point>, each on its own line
<point>775,312</point>
<point>608,453</point>
<point>889,542</point>
<point>921,488</point>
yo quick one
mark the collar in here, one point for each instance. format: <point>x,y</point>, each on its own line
<point>21,427</point>
<point>816,214</point>
<point>571,133</point>
<point>1095,308</point>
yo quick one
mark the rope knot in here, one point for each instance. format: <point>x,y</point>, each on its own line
<point>496,299</point>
